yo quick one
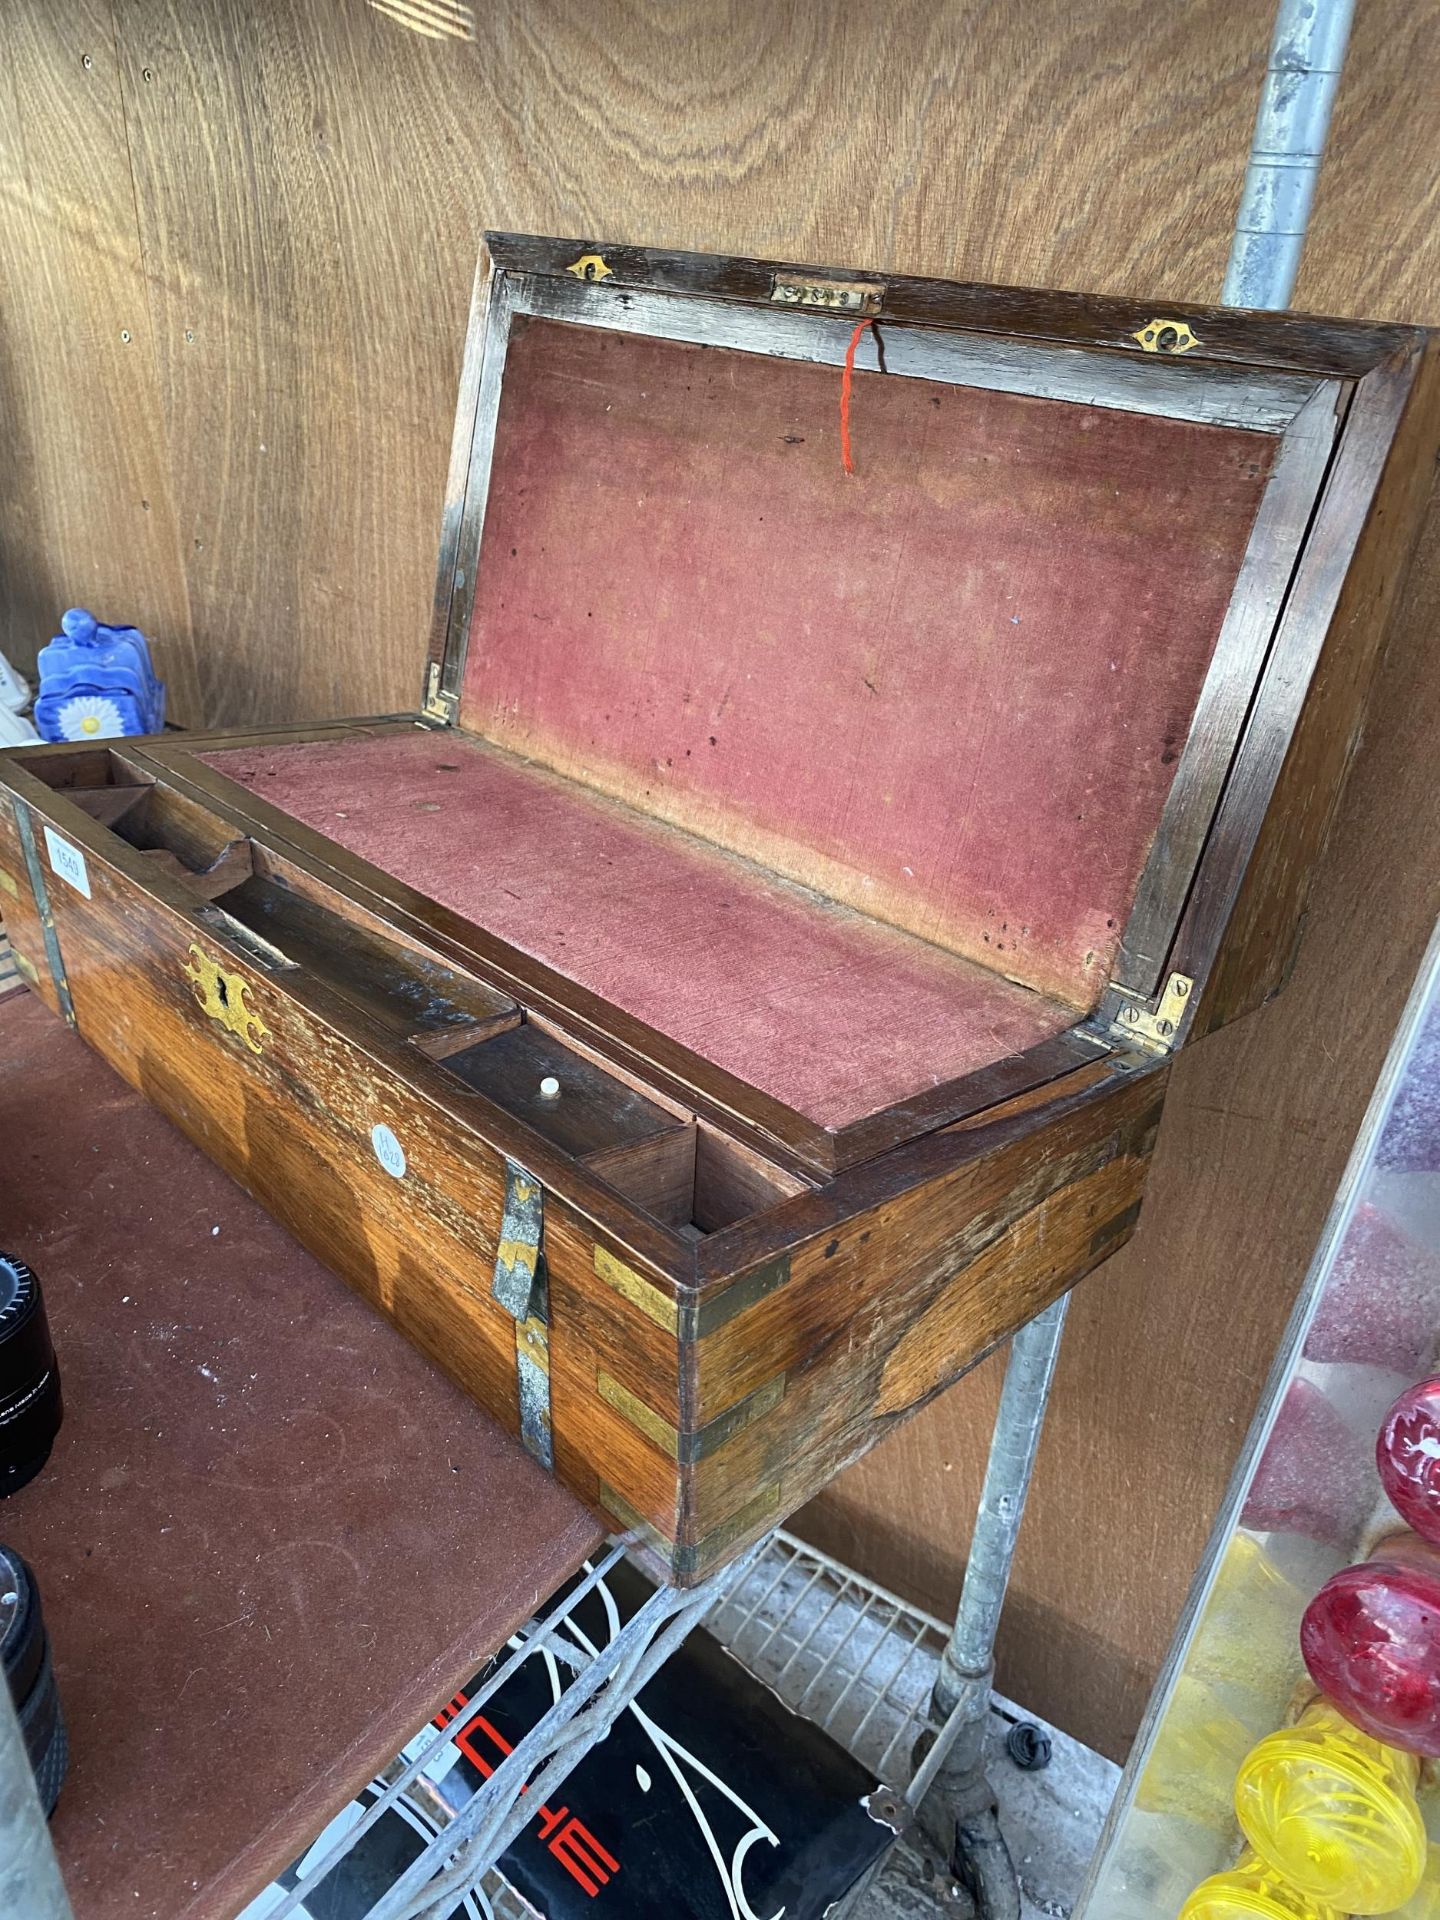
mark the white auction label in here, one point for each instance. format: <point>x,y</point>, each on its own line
<point>388,1150</point>
<point>67,861</point>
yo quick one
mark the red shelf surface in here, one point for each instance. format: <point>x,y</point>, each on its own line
<point>271,1541</point>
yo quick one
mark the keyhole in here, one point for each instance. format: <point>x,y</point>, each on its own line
<point>1168,339</point>
<point>222,992</point>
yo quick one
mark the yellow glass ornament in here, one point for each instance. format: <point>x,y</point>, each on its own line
<point>1246,1635</point>
<point>1424,1903</point>
<point>1252,1891</point>
<point>1191,1769</point>
<point>1334,1812</point>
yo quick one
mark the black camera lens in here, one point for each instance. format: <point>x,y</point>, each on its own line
<point>30,1676</point>
<point>30,1406</point>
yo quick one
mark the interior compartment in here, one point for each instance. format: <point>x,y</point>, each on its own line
<point>411,994</point>
<point>831,1012</point>
<point>559,1092</point>
<point>79,767</point>
<point>284,918</point>
<point>696,1179</point>
<point>647,1148</point>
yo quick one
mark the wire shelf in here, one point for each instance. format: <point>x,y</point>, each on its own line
<point>858,1662</point>
<point>853,1658</point>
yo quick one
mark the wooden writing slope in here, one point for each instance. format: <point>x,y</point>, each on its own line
<point>743,993</point>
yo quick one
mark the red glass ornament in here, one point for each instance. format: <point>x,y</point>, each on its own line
<point>1371,1640</point>
<point>1408,1456</point>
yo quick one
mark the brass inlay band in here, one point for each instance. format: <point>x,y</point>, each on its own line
<point>692,1318</point>
<point>619,1508</point>
<point>695,1558</point>
<point>688,1448</point>
<point>717,1543</point>
<point>639,1291</point>
<point>717,1308</point>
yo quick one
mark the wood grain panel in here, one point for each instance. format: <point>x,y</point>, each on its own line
<point>302,186</point>
<point>292,1124</point>
<point>1098,148</point>
<point>87,509</point>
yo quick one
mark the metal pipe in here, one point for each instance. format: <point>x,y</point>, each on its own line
<point>30,1882</point>
<point>1307,52</point>
<point>961,1699</point>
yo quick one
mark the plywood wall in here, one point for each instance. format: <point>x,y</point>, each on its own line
<point>236,239</point>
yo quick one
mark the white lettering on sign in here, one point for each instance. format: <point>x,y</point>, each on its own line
<point>388,1150</point>
<point>67,861</point>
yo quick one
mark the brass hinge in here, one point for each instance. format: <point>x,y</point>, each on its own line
<point>1157,1031</point>
<point>837,296</point>
<point>439,705</point>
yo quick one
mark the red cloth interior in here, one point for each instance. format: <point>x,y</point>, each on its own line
<point>834,1014</point>
<point>951,689</point>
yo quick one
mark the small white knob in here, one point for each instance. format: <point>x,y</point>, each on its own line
<point>549,1088</point>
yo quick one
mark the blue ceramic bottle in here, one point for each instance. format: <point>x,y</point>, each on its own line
<point>97,683</point>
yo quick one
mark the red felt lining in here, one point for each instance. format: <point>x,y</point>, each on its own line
<point>951,689</point>
<point>833,1014</point>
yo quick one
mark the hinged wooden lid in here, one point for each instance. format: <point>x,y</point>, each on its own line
<point>992,686</point>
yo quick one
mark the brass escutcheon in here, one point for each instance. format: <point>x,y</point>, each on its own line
<point>589,267</point>
<point>221,996</point>
<point>1165,336</point>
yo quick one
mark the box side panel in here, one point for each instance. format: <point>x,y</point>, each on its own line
<point>899,1301</point>
<point>1245,937</point>
<point>615,1382</point>
<point>292,1123</point>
